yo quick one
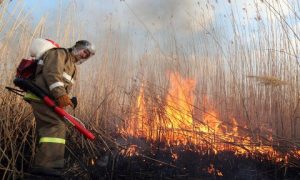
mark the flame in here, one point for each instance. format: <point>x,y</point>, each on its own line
<point>212,170</point>
<point>175,156</point>
<point>130,151</point>
<point>219,173</point>
<point>141,119</point>
<point>92,162</point>
<point>180,102</point>
<point>177,124</point>
<point>178,110</point>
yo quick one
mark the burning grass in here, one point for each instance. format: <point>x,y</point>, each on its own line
<point>158,160</point>
<point>204,119</point>
<point>177,124</point>
<point>139,158</point>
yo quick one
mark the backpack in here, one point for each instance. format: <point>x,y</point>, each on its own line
<point>27,68</point>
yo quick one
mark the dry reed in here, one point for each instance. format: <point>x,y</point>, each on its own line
<point>108,85</point>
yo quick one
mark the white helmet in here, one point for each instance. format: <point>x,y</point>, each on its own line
<point>84,44</point>
<point>39,46</point>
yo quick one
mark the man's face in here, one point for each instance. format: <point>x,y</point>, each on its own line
<point>84,54</point>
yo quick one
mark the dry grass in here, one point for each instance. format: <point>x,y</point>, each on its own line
<point>108,85</point>
<point>269,80</point>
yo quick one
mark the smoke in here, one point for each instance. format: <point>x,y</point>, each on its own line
<point>189,21</point>
<point>184,16</point>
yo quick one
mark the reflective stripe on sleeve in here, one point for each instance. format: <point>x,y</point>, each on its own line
<point>52,140</point>
<point>56,84</point>
<point>68,77</point>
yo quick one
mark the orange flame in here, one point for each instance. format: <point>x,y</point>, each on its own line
<point>180,102</point>
<point>130,151</point>
<point>178,124</point>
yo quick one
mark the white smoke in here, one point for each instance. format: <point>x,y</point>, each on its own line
<point>184,16</point>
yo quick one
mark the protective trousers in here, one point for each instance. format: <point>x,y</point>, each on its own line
<point>51,131</point>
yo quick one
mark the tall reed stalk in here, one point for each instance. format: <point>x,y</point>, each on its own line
<point>234,77</point>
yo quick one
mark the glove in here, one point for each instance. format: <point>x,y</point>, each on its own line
<point>64,101</point>
<point>74,102</point>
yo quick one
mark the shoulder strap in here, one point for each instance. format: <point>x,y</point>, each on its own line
<point>45,54</point>
<point>67,51</point>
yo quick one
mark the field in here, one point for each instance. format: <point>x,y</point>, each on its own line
<point>155,98</point>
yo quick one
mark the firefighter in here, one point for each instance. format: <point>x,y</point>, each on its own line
<point>55,74</point>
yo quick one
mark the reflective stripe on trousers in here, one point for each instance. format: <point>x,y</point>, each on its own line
<point>52,140</point>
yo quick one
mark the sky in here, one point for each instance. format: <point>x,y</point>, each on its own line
<point>155,22</point>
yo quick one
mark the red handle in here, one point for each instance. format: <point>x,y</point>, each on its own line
<point>73,121</point>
